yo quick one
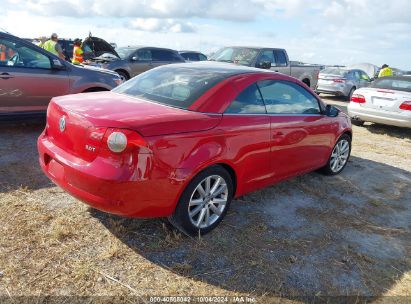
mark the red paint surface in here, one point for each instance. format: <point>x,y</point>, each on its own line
<point>148,181</point>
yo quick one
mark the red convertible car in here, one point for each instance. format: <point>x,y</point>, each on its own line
<point>181,141</point>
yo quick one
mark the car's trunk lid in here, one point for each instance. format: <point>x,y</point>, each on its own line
<point>384,99</point>
<point>329,79</point>
<point>109,109</point>
<point>73,132</point>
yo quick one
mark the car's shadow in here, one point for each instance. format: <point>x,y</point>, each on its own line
<point>313,235</point>
<point>401,133</point>
<point>19,167</point>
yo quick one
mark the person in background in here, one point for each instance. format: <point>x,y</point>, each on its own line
<point>77,52</point>
<point>53,46</point>
<point>385,71</point>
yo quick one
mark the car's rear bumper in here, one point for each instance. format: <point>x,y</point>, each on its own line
<point>333,90</point>
<point>143,193</point>
<point>357,112</point>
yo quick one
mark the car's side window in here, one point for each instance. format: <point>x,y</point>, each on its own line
<point>202,57</point>
<point>16,54</point>
<point>144,55</point>
<point>357,75</point>
<point>176,57</point>
<point>267,55</point>
<point>364,76</point>
<point>161,55</point>
<point>190,57</point>
<point>285,97</point>
<point>249,101</point>
<point>281,59</point>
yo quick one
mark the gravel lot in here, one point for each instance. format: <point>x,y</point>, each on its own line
<point>312,235</point>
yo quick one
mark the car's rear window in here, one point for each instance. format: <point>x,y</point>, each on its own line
<point>338,72</point>
<point>392,84</point>
<point>174,86</point>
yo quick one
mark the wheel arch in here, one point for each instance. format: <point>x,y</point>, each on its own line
<point>95,89</point>
<point>123,71</point>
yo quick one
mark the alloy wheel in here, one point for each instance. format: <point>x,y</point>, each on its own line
<point>208,201</point>
<point>339,155</point>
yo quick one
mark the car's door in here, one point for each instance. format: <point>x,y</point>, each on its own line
<point>357,78</point>
<point>246,129</point>
<point>141,61</point>
<point>27,78</point>
<point>301,135</point>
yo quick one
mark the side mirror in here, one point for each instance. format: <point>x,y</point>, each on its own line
<point>331,111</point>
<point>264,65</point>
<point>134,58</point>
<point>56,64</point>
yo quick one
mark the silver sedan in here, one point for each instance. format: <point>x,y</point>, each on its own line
<point>387,101</point>
<point>341,82</point>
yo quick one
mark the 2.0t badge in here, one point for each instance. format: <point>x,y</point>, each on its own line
<point>62,124</point>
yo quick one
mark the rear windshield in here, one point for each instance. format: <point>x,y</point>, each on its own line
<point>338,72</point>
<point>392,84</point>
<point>174,86</point>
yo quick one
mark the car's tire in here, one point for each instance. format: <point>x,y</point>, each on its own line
<point>203,204</point>
<point>339,156</point>
<point>348,97</point>
<point>123,75</point>
<point>356,122</point>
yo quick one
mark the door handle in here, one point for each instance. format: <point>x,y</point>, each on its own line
<point>278,134</point>
<point>5,76</point>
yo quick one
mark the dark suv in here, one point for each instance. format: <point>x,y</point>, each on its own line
<point>30,76</point>
<point>133,60</point>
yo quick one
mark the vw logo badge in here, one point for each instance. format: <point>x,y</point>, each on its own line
<point>62,124</point>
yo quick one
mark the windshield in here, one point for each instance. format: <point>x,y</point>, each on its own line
<point>334,71</point>
<point>392,84</point>
<point>243,56</point>
<point>174,86</point>
<point>125,52</point>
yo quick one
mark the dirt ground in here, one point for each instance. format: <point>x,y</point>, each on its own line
<point>310,236</point>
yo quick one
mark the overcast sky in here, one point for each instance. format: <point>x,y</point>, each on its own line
<point>315,31</point>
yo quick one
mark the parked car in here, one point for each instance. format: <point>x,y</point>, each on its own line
<point>193,56</point>
<point>386,101</point>
<point>182,140</point>
<point>341,82</point>
<point>31,76</point>
<point>268,58</point>
<point>133,60</point>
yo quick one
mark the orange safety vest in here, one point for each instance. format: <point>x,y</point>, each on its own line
<point>77,55</point>
<point>2,52</point>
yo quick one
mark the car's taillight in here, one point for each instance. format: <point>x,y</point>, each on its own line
<point>339,80</point>
<point>406,105</point>
<point>119,140</point>
<point>358,98</point>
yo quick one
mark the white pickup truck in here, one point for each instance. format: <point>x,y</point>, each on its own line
<point>268,58</point>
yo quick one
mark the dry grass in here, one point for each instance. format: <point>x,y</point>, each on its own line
<point>284,241</point>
